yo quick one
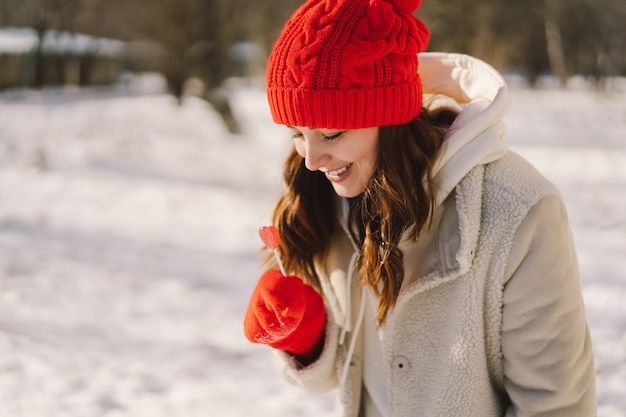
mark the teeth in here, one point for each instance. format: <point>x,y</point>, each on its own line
<point>339,171</point>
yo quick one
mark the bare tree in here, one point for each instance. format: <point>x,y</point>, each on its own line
<point>194,37</point>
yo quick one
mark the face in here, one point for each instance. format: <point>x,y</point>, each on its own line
<point>346,157</point>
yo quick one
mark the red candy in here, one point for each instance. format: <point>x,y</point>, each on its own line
<point>270,236</point>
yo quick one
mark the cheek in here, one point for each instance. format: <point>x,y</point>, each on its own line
<point>369,167</point>
<point>370,154</point>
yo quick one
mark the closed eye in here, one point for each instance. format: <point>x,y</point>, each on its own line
<point>333,137</point>
<point>295,133</point>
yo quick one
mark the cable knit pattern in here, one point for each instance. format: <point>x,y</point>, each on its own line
<point>347,64</point>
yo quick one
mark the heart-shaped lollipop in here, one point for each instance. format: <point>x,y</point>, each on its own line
<point>271,238</point>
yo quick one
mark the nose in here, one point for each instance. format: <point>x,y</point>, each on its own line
<point>315,155</point>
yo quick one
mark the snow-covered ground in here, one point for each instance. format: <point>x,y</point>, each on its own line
<point>128,247</point>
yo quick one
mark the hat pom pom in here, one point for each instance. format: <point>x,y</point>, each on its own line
<point>407,6</point>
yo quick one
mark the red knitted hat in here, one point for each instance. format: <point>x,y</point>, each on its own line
<point>347,64</point>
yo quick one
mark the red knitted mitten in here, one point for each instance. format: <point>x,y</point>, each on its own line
<point>287,314</point>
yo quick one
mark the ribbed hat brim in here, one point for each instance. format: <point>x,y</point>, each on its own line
<point>347,108</point>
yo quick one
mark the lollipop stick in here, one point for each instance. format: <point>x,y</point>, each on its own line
<point>280,263</point>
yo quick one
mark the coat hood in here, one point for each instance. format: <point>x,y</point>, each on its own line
<point>479,94</point>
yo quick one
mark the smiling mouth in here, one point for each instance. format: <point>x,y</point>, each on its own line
<point>336,174</point>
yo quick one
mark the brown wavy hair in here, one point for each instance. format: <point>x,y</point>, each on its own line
<point>398,197</point>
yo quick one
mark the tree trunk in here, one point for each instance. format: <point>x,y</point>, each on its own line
<point>555,51</point>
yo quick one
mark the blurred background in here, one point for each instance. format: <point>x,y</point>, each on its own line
<point>138,159</point>
<point>91,42</point>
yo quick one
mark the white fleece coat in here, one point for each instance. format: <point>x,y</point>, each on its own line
<point>490,319</point>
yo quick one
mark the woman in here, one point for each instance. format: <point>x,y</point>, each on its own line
<point>439,272</point>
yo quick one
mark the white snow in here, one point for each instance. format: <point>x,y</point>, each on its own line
<point>25,40</point>
<point>128,246</point>
<point>17,40</point>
